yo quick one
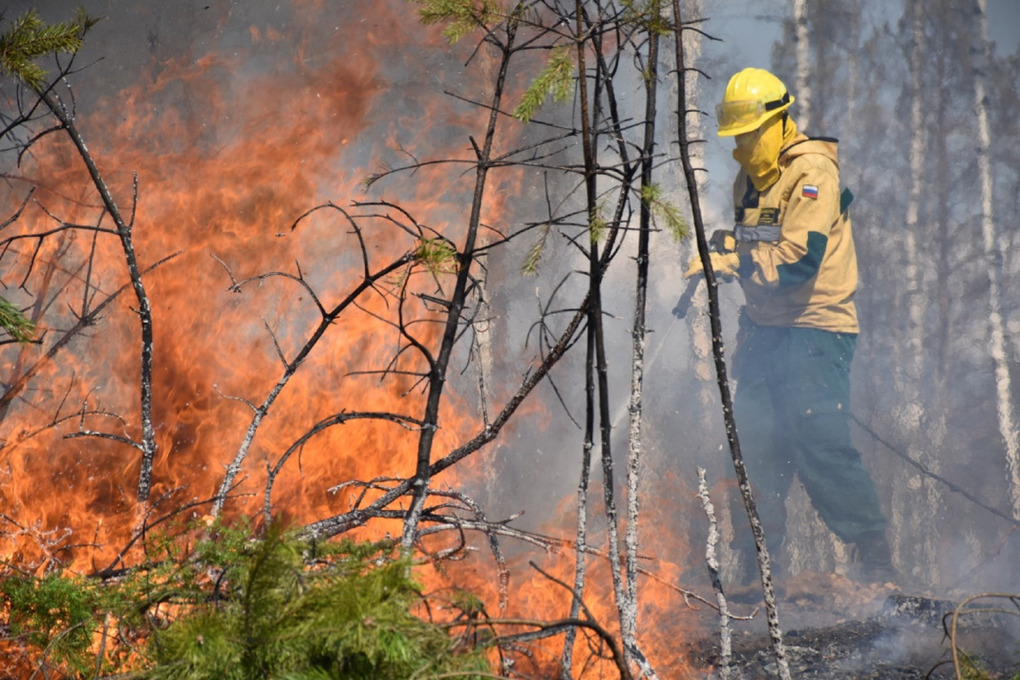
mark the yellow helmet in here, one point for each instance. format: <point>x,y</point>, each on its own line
<point>752,97</point>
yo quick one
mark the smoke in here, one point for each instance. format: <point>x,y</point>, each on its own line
<point>240,116</point>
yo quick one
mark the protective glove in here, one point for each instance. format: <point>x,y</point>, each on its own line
<point>723,264</point>
<point>723,241</point>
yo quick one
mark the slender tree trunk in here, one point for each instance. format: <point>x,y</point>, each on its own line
<point>937,408</point>
<point>587,107</point>
<point>915,283</point>
<point>629,604</point>
<point>147,445</point>
<point>700,330</point>
<point>997,336</point>
<point>914,523</point>
<point>803,75</point>
<point>726,399</point>
<point>482,344</point>
<point>581,539</point>
<point>465,261</point>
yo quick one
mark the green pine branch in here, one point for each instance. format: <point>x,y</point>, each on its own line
<point>238,606</point>
<point>597,227</point>
<point>54,613</point>
<point>16,323</point>
<point>556,80</point>
<point>438,255</point>
<point>648,14</point>
<point>534,256</point>
<point>668,213</point>
<point>29,38</point>
<point>460,16</point>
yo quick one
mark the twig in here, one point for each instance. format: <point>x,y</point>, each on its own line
<point>725,636</point>
<point>962,609</point>
<point>928,473</point>
<point>290,368</point>
<point>549,628</point>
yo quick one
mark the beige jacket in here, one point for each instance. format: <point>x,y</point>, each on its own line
<point>798,266</point>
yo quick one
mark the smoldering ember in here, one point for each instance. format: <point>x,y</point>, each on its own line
<point>468,338</point>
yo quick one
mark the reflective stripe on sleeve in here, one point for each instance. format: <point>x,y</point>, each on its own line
<point>769,232</point>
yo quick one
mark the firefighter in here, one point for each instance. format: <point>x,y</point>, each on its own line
<point>792,252</point>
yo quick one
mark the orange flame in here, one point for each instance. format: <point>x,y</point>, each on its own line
<point>229,148</point>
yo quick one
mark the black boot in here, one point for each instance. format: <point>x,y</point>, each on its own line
<point>874,559</point>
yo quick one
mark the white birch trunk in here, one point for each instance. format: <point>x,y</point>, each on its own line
<point>696,323</point>
<point>712,561</point>
<point>914,522</point>
<point>810,544</point>
<point>915,283</point>
<point>997,337</point>
<point>803,84</point>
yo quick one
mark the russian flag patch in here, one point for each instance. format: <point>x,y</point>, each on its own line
<point>810,191</point>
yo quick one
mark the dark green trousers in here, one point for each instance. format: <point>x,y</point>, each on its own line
<point>792,408</point>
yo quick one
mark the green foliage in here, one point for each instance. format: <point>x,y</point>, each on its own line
<point>29,38</point>
<point>438,255</point>
<point>235,606</point>
<point>534,257</point>
<point>15,323</point>
<point>54,614</point>
<point>666,212</point>
<point>460,16</point>
<point>340,618</point>
<point>972,668</point>
<point>556,80</point>
<point>597,226</point>
<point>649,14</point>
<point>467,602</point>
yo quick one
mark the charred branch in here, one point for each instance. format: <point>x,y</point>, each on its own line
<point>465,261</point>
<point>85,320</point>
<point>291,366</point>
<point>273,471</point>
<point>726,399</point>
<point>148,440</point>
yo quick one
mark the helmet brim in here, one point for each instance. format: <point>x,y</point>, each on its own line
<point>740,117</point>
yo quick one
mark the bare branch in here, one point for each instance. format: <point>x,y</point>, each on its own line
<point>290,367</point>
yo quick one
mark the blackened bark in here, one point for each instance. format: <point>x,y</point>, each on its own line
<point>726,398</point>
<point>465,259</point>
<point>148,443</point>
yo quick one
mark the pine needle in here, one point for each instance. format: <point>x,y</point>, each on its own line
<point>16,323</point>
<point>666,212</point>
<point>29,38</point>
<point>555,80</point>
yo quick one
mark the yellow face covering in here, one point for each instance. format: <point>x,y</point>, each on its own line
<point>758,151</point>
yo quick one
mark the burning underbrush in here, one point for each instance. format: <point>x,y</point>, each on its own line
<point>234,336</point>
<point>212,600</point>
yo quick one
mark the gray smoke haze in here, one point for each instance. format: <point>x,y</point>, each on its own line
<point>381,80</point>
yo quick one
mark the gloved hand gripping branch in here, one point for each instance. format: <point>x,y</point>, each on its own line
<point>722,253</point>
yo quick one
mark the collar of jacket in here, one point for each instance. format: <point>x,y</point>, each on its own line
<point>802,145</point>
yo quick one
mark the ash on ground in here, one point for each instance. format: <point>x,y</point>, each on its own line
<point>835,628</point>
